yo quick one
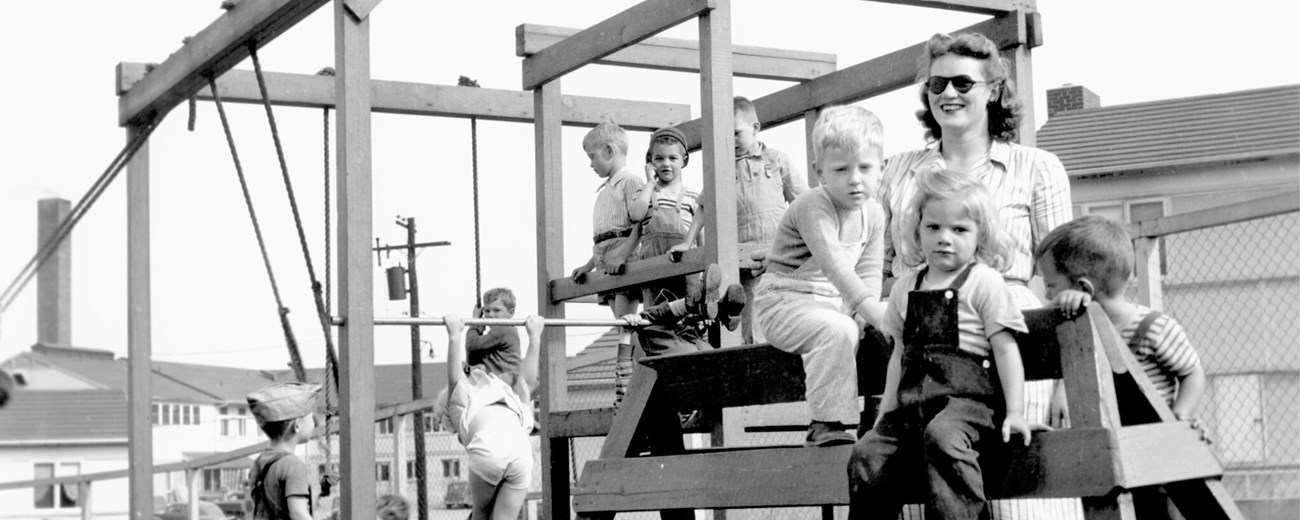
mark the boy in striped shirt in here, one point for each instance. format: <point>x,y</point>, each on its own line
<point>1091,258</point>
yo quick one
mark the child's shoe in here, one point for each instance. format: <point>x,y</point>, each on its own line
<point>731,305</point>
<point>822,434</point>
<point>622,373</point>
<point>705,302</point>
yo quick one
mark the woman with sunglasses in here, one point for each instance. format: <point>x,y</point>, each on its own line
<point>971,114</point>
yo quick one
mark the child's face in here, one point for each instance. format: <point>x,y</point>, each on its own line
<point>306,427</point>
<point>1053,281</point>
<point>495,309</point>
<point>948,236</point>
<point>746,135</point>
<point>667,160</point>
<point>850,176</point>
<point>602,160</point>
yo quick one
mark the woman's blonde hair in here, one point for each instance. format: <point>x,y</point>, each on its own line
<point>993,245</point>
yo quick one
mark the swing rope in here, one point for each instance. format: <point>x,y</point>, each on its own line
<point>465,81</point>
<point>295,356</point>
<point>331,372</point>
<point>60,233</point>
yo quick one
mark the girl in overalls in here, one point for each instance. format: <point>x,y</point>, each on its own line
<point>665,209</point>
<point>824,268</point>
<point>944,399</point>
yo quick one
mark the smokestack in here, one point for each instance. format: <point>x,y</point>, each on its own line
<point>54,280</point>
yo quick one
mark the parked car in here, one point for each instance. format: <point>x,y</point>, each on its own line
<point>207,511</point>
<point>457,494</point>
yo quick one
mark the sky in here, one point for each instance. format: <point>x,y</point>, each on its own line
<point>212,302</point>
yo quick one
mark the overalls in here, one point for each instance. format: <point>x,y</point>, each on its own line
<point>802,313</point>
<point>661,230</point>
<point>760,198</point>
<point>948,399</point>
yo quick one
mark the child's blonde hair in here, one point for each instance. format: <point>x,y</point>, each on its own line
<point>847,127</point>
<point>993,245</point>
<point>607,134</point>
<point>1093,247</point>
<point>744,109</point>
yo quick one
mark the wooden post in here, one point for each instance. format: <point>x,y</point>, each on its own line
<point>83,499</point>
<point>1022,72</point>
<point>399,452</point>
<point>550,265</point>
<point>192,484</point>
<point>1146,252</point>
<point>809,121</point>
<point>718,142</point>
<point>356,288</point>
<point>138,335</point>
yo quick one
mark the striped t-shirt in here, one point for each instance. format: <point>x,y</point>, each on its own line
<point>1164,353</point>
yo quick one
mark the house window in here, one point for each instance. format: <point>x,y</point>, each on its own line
<point>174,414</point>
<point>1130,211</point>
<point>410,469</point>
<point>385,427</point>
<point>234,422</point>
<point>58,495</point>
<point>383,472</point>
<point>451,467</point>
<point>429,425</point>
<point>1240,421</point>
<point>212,480</point>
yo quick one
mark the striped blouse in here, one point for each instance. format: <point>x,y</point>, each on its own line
<point>1029,185</point>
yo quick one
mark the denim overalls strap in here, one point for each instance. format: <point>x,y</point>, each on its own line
<point>760,198</point>
<point>933,364</point>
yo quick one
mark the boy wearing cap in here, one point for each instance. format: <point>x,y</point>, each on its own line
<point>665,208</point>
<point>283,486</point>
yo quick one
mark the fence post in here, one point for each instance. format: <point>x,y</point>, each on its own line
<point>83,498</point>
<point>1146,251</point>
<point>399,454</point>
<point>192,488</point>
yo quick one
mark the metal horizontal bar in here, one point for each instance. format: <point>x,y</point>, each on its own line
<point>502,322</point>
<point>404,246</point>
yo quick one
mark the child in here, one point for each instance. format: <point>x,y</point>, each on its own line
<point>283,486</point>
<point>496,348</point>
<point>682,325</point>
<point>766,182</point>
<point>665,208</point>
<point>944,402</point>
<point>614,233</point>
<point>1091,258</point>
<point>824,268</point>
<point>493,422</point>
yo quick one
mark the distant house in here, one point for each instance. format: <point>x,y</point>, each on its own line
<point>1235,289</point>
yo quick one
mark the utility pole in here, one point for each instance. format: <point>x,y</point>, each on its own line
<point>417,382</point>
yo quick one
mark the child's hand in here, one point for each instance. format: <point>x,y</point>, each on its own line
<point>455,325</point>
<point>1015,423</point>
<point>651,174</point>
<point>635,320</point>
<point>1071,302</point>
<point>675,252</point>
<point>616,266</point>
<point>1058,412</point>
<point>579,275</point>
<point>534,324</point>
<point>478,311</point>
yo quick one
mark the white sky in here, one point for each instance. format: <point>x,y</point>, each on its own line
<point>212,303</point>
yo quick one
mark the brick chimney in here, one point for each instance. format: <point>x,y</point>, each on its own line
<point>54,279</point>
<point>1070,97</point>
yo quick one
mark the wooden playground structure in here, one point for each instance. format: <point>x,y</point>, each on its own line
<point>643,465</point>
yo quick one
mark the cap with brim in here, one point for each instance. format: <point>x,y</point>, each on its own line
<point>670,132</point>
<point>283,401</point>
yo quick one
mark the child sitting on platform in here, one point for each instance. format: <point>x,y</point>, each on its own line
<point>615,234</point>
<point>682,325</point>
<point>824,268</point>
<point>944,402</point>
<point>1090,259</point>
<point>493,422</point>
<point>766,182</point>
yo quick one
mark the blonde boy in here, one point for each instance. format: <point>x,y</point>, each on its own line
<point>614,233</point>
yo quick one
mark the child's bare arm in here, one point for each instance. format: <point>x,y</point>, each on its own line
<point>889,399</point>
<point>640,206</point>
<point>1071,302</point>
<point>1011,373</point>
<point>298,509</point>
<point>693,233</point>
<point>455,349</point>
<point>579,273</point>
<point>1190,389</point>
<point>534,325</point>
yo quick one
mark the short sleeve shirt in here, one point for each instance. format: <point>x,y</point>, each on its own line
<point>984,308</point>
<point>1164,353</point>
<point>610,210</point>
<point>288,477</point>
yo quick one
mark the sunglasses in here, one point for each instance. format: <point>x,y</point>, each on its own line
<point>963,83</point>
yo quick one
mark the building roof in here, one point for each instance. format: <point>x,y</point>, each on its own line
<point>1162,135</point>
<point>53,417</point>
<point>595,364</point>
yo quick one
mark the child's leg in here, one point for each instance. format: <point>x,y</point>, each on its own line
<point>622,306</point>
<point>827,340</point>
<point>482,495</point>
<point>951,442</point>
<point>883,464</point>
<point>508,503</point>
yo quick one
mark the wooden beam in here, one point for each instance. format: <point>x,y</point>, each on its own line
<point>624,29</point>
<point>139,337</point>
<point>595,422</point>
<point>398,97</point>
<point>862,81</point>
<point>638,272</point>
<point>212,51</point>
<point>1157,453</point>
<point>356,287</point>
<point>718,122</point>
<point>993,7</point>
<point>1220,216</point>
<point>672,54</point>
